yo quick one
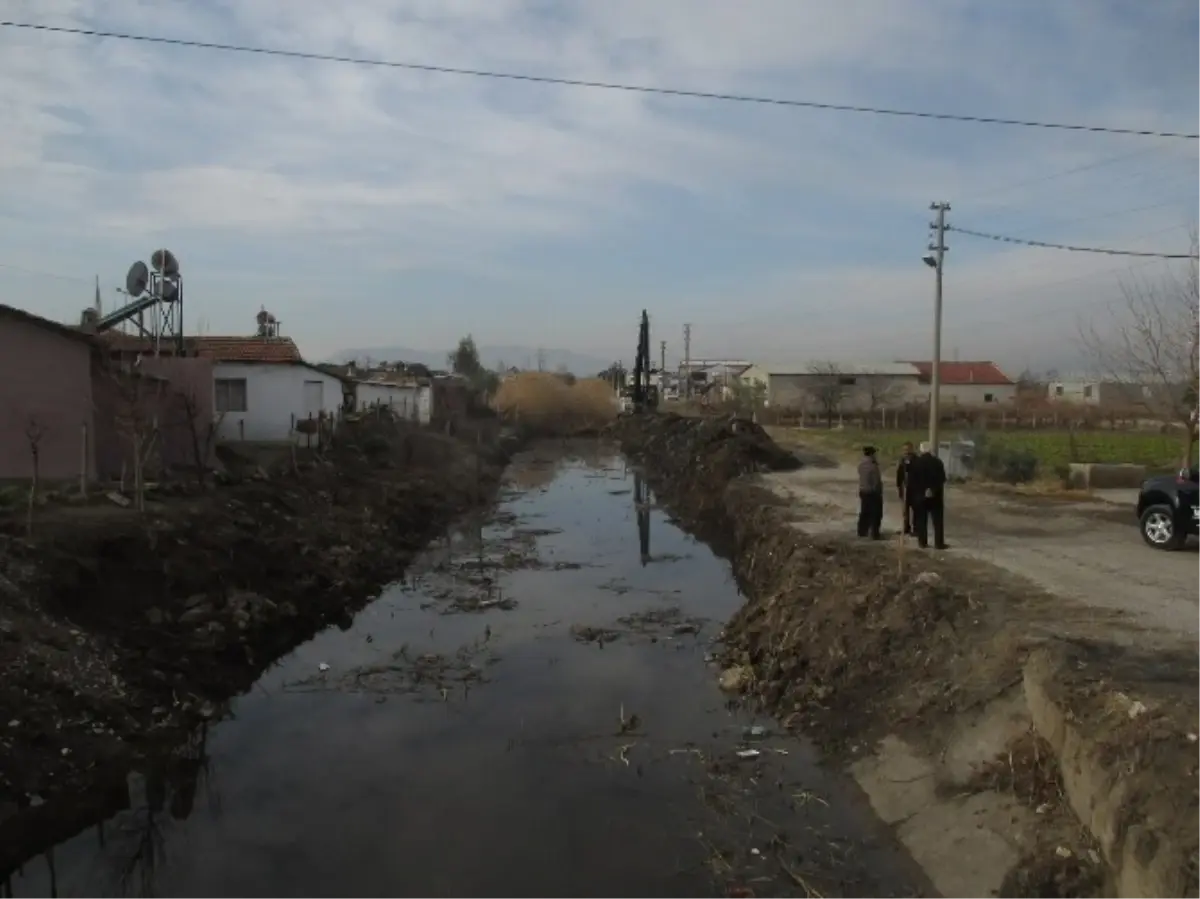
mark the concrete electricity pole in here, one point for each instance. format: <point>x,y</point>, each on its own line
<point>687,362</point>
<point>937,260</point>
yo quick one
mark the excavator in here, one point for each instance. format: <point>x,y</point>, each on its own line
<point>642,394</point>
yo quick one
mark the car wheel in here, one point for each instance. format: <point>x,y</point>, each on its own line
<point>1158,528</point>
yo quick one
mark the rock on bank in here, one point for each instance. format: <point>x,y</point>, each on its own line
<point>120,630</point>
<point>984,740</point>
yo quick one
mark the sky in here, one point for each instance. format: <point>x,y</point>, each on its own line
<point>368,206</point>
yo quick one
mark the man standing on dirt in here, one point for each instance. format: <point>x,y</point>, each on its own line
<point>906,498</point>
<point>927,485</point>
<point>870,495</point>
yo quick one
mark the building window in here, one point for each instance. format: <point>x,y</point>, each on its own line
<point>846,381</point>
<point>989,397</point>
<point>231,394</point>
<point>1087,391</point>
<point>1058,390</point>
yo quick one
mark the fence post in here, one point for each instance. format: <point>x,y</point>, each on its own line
<point>83,457</point>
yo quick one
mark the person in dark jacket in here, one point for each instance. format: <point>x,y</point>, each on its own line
<point>870,495</point>
<point>927,485</point>
<point>906,499</point>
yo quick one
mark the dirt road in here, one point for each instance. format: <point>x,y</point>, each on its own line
<point>1089,552</point>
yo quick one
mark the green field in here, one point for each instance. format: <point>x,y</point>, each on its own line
<point>1053,448</point>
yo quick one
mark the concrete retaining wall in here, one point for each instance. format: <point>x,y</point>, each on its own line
<point>1098,476</point>
<point>1132,825</point>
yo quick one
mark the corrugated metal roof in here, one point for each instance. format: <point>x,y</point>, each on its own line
<point>822,366</point>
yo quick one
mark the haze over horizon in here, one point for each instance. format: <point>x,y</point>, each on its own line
<point>376,206</point>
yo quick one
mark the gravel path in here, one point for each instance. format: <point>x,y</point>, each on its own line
<point>1088,551</point>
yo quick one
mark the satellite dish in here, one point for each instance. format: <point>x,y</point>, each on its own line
<point>164,261</point>
<point>137,279</point>
<point>168,289</point>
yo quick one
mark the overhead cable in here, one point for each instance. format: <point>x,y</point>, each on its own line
<point>1073,249</point>
<point>600,85</point>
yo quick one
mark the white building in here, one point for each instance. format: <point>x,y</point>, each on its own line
<point>263,389</point>
<point>821,385</point>
<point>970,384</point>
<point>409,400</point>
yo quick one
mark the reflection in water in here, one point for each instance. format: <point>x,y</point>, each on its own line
<point>641,507</point>
<point>131,820</point>
<point>169,788</point>
<point>530,785</point>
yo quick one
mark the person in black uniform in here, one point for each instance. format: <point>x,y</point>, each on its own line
<point>927,485</point>
<point>870,495</point>
<point>906,500</point>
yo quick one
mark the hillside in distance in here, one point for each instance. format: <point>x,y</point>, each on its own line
<point>492,357</point>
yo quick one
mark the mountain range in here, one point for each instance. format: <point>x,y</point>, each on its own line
<point>493,357</point>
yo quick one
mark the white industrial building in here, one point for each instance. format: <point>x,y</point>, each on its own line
<point>858,386</point>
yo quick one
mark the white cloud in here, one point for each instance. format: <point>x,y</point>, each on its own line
<point>118,145</point>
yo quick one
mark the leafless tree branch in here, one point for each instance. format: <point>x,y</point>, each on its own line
<point>827,389</point>
<point>1151,341</point>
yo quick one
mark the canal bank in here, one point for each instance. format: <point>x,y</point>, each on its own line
<point>985,719</point>
<point>533,710</point>
<point>121,630</point>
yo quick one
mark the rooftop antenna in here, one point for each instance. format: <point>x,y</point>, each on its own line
<point>156,289</point>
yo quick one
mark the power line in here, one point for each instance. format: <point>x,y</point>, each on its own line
<point>600,85</point>
<point>1108,160</point>
<point>1059,246</point>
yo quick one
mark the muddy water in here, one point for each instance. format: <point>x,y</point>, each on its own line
<point>531,713</point>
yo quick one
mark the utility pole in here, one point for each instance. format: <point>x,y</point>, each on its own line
<point>662,366</point>
<point>938,249</point>
<point>687,362</point>
<point>1194,420</point>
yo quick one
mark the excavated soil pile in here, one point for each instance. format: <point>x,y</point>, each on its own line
<point>692,460</point>
<point>120,629</point>
<point>849,642</point>
<point>840,640</point>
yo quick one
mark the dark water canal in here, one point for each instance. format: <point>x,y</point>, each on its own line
<point>531,713</point>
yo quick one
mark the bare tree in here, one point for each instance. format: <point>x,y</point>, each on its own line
<point>35,432</point>
<point>1152,342</point>
<point>881,392</point>
<point>827,386</point>
<point>135,415</point>
<point>202,430</point>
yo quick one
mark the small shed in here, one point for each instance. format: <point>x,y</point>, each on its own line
<point>406,399</point>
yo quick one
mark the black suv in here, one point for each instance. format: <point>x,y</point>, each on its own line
<point>1167,508</point>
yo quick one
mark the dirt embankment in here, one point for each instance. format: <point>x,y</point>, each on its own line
<point>936,681</point>
<point>119,631</point>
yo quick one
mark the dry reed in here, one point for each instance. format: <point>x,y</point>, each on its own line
<point>547,402</point>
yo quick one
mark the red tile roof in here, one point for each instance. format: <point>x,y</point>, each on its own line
<point>281,350</point>
<point>247,349</point>
<point>985,373</point>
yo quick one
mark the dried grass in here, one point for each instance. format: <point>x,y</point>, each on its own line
<point>546,401</point>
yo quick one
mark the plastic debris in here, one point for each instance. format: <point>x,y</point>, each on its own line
<point>748,753</point>
<point>323,667</point>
